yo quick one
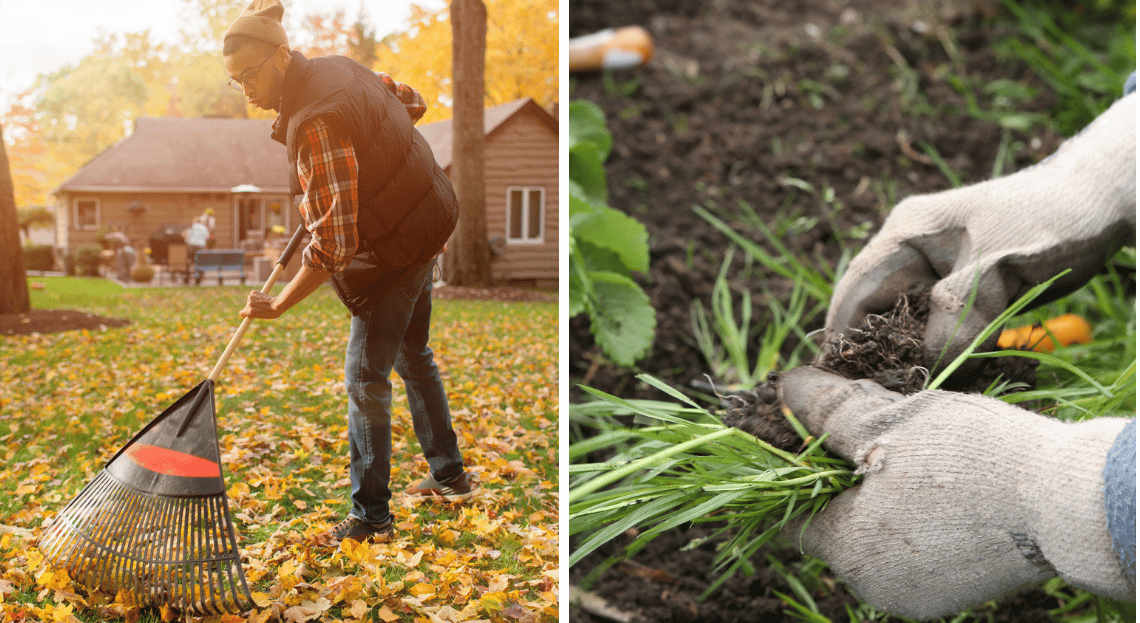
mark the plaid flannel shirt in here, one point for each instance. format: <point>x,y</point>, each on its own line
<point>327,168</point>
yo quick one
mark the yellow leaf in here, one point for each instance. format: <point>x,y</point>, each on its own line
<point>239,490</point>
<point>262,600</point>
<point>421,589</point>
<point>499,583</point>
<point>359,609</point>
<point>34,559</point>
<point>387,615</point>
<point>166,613</point>
<point>493,602</point>
<point>261,617</point>
<point>61,614</point>
<point>54,579</point>
<point>355,550</point>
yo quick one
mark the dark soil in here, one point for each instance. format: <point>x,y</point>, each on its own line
<point>55,321</point>
<point>729,112</point>
<point>740,100</point>
<point>499,293</point>
<point>888,350</point>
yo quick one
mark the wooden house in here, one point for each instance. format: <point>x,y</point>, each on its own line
<point>521,177</point>
<point>171,170</point>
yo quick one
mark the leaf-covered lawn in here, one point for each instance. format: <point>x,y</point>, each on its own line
<point>69,401</point>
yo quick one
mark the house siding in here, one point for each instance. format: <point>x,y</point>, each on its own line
<point>523,152</point>
<point>174,208</point>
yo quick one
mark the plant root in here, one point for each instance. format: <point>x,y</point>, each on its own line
<point>886,349</point>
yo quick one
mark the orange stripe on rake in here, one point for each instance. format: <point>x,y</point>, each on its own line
<point>172,463</point>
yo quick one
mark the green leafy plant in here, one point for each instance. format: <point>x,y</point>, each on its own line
<point>606,247</point>
<point>84,261</point>
<point>39,257</point>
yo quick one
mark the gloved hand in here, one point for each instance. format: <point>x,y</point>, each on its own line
<point>1005,235</point>
<point>963,498</point>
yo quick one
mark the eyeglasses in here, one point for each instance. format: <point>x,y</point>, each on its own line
<point>238,84</point>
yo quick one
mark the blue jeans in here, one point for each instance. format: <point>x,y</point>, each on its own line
<point>391,332</point>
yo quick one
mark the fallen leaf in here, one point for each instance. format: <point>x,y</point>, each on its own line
<point>387,615</point>
<point>421,589</point>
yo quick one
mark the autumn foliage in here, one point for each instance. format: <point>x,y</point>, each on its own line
<point>68,401</point>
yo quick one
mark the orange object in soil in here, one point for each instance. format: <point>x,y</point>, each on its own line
<point>622,48</point>
<point>1063,330</point>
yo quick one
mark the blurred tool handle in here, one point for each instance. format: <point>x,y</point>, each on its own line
<point>621,48</point>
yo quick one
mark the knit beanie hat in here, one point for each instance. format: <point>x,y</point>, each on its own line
<point>261,20</point>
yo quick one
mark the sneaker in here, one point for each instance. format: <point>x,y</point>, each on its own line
<point>455,489</point>
<point>358,530</point>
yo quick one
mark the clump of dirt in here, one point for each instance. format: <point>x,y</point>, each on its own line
<point>757,412</point>
<point>888,350</point>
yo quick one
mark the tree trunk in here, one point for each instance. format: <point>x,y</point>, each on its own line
<point>13,279</point>
<point>468,259</point>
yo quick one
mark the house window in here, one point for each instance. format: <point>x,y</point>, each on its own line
<point>85,214</point>
<point>525,210</point>
<point>260,218</point>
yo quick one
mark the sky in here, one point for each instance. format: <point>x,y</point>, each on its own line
<point>40,37</point>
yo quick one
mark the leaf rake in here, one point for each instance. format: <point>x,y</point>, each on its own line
<point>155,522</point>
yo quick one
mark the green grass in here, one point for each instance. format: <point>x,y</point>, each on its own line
<point>68,401</point>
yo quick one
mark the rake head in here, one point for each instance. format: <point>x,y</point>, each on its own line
<point>155,522</point>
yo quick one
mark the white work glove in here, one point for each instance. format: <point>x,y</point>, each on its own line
<point>1006,235</point>
<point>963,498</point>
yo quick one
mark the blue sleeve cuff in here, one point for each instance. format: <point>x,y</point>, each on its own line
<point>1120,497</point>
<point>1130,84</point>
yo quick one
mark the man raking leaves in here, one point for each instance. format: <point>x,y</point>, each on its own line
<point>963,496</point>
<point>379,210</point>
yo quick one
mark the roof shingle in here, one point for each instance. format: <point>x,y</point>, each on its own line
<point>191,155</point>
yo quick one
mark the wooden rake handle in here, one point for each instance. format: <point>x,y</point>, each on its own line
<point>282,261</point>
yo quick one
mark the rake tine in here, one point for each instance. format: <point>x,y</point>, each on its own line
<point>118,523</point>
<point>143,551</point>
<point>203,551</point>
<point>149,572</point>
<point>217,598</point>
<point>235,568</point>
<point>77,552</point>
<point>175,565</point>
<point>122,569</point>
<point>104,535</point>
<point>195,592</point>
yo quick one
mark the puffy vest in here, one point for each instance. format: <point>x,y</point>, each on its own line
<point>407,206</point>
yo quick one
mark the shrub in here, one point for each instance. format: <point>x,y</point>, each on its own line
<point>39,257</point>
<point>84,261</point>
<point>143,270</point>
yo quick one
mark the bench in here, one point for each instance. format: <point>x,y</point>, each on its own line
<point>220,261</point>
